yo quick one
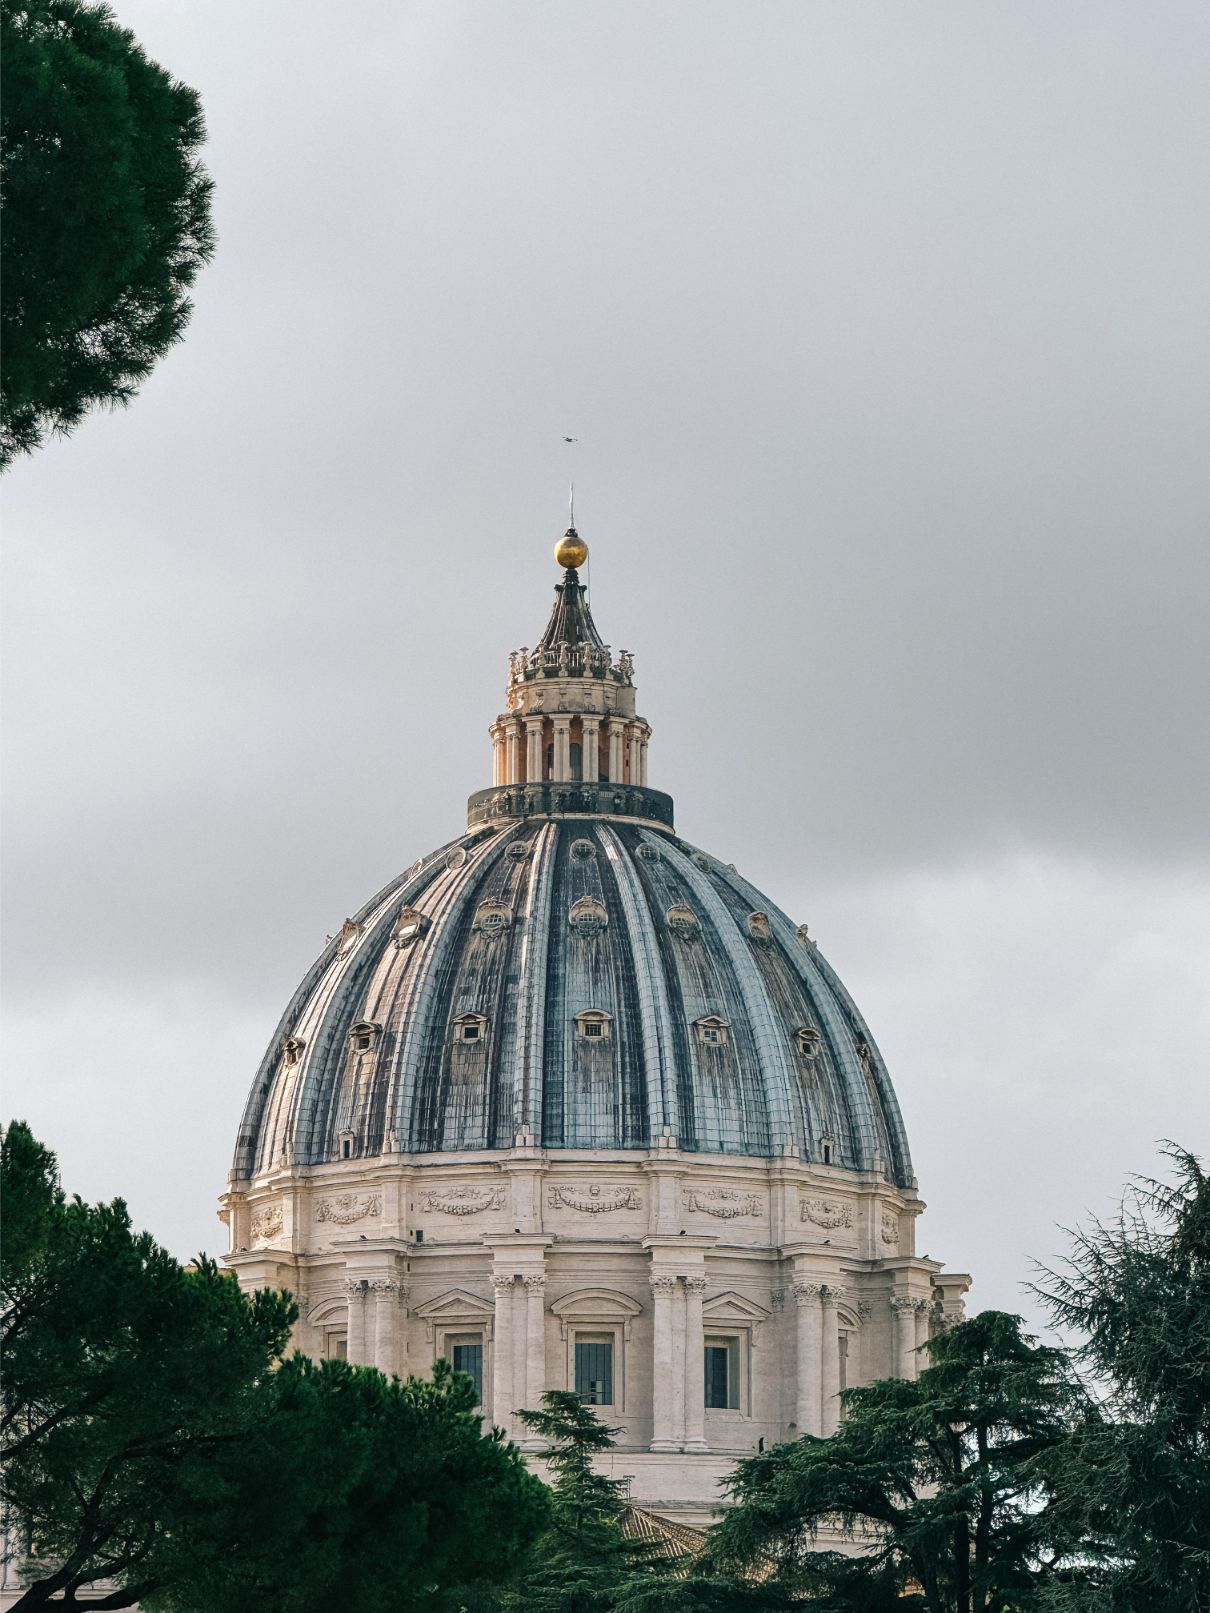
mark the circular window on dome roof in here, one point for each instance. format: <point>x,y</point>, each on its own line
<point>456,857</point>
<point>587,917</point>
<point>519,850</point>
<point>684,923</point>
<point>648,852</point>
<point>583,849</point>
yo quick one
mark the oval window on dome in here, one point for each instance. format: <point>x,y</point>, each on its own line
<point>492,918</point>
<point>587,917</point>
<point>684,922</point>
<point>583,849</point>
<point>409,926</point>
<point>809,1040</point>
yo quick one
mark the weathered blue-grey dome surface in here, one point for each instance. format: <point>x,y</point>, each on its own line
<point>593,981</point>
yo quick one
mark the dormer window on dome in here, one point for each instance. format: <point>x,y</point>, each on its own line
<point>470,1028</point>
<point>363,1035</point>
<point>712,1030</point>
<point>594,1024</point>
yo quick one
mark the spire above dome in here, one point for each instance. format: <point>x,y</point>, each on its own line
<point>571,720</point>
<point>571,626</point>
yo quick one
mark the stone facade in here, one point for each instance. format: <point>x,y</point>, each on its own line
<point>785,1267</point>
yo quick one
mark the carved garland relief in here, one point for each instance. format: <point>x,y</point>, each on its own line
<point>594,1200</point>
<point>826,1212</point>
<point>267,1223</point>
<point>724,1204</point>
<point>345,1208</point>
<point>463,1200</point>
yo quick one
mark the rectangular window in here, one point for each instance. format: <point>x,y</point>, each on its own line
<point>337,1347</point>
<point>722,1374</point>
<point>466,1355</point>
<point>594,1368</point>
<point>592,1027</point>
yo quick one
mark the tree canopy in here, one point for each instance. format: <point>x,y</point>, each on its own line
<point>154,1436</point>
<point>106,215</point>
<point>938,1477</point>
<point>1134,1475</point>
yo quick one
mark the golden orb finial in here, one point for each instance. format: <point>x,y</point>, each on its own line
<point>571,550</point>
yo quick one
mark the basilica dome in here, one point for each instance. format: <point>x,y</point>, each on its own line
<point>572,1105</point>
<point>572,973</point>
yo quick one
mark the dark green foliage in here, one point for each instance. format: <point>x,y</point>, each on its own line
<point>939,1477</point>
<point>1135,1475</point>
<point>123,1373</point>
<point>153,1435</point>
<point>106,215</point>
<point>357,1493</point>
<point>582,1563</point>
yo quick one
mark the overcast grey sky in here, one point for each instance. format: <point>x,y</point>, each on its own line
<point>884,330</point>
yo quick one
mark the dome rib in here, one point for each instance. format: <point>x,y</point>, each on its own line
<point>781,1093</point>
<point>524,966</point>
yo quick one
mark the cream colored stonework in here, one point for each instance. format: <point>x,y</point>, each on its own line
<point>655,1251</point>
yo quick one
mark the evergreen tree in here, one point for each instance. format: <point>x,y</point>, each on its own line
<point>1134,1478</point>
<point>106,215</point>
<point>153,1436</point>
<point>938,1478</point>
<point>583,1562</point>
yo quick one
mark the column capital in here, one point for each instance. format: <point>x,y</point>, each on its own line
<point>903,1303</point>
<point>695,1285</point>
<point>662,1282</point>
<point>832,1293</point>
<point>805,1293</point>
<point>502,1280</point>
<point>534,1279</point>
<point>386,1286</point>
<point>355,1287</point>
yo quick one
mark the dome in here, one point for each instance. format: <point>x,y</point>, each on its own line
<point>572,1105</point>
<point>571,972</point>
<point>590,979</point>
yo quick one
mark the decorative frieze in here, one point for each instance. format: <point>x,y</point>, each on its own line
<point>594,1199</point>
<point>267,1222</point>
<point>343,1209</point>
<point>829,1213</point>
<point>462,1200</point>
<point>724,1204</point>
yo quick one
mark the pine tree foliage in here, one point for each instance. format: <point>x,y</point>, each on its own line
<point>153,1436</point>
<point>939,1480</point>
<point>105,214</point>
<point>1135,1473</point>
<point>582,1563</point>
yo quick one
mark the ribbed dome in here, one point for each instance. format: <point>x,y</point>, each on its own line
<point>589,980</point>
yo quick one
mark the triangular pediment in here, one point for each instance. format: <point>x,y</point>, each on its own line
<point>733,1307</point>
<point>455,1302</point>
